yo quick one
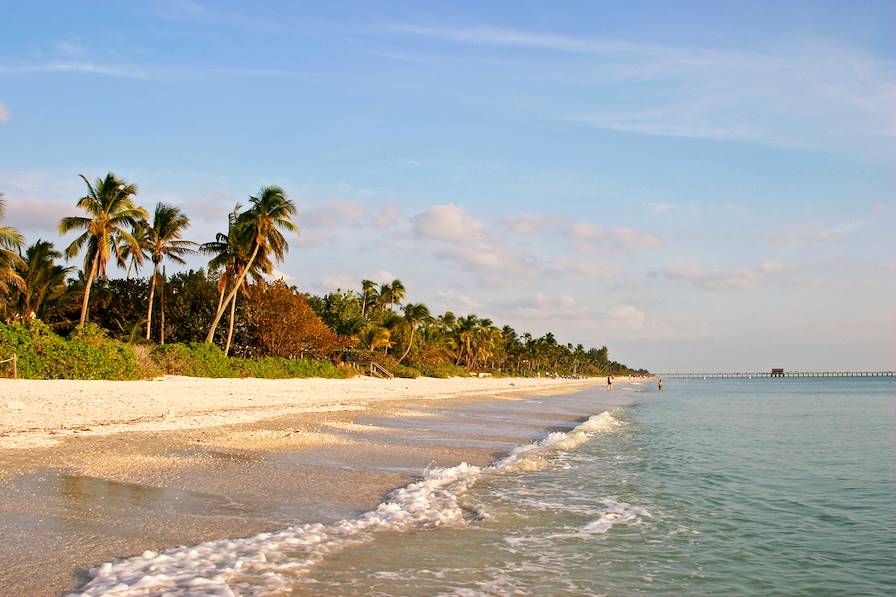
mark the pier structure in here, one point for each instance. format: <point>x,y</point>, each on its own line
<point>775,373</point>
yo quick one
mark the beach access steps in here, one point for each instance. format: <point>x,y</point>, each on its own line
<point>377,370</point>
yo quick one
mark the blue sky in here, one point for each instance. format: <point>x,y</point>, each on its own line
<point>709,187</point>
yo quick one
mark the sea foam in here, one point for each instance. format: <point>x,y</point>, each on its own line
<point>265,563</point>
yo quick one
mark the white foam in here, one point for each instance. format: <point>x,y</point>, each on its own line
<point>615,513</point>
<point>264,563</point>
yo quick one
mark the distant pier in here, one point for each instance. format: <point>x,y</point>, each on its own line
<point>775,373</point>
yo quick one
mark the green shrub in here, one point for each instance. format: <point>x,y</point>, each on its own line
<point>405,372</point>
<point>87,354</point>
<point>195,359</point>
<point>442,370</point>
<point>207,360</point>
<point>281,368</point>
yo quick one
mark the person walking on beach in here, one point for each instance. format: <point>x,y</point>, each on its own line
<point>609,382</point>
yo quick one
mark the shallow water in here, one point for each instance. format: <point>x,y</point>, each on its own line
<point>710,487</point>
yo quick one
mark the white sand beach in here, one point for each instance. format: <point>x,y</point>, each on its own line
<point>42,412</point>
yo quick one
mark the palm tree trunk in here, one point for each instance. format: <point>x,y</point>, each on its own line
<point>162,307</point>
<point>152,293</point>
<point>230,330</point>
<point>87,286</point>
<point>221,296</point>
<point>410,343</point>
<point>236,287</point>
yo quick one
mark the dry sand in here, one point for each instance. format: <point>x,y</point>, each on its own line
<point>91,470</point>
<point>41,412</point>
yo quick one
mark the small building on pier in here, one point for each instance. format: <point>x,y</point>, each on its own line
<point>777,372</point>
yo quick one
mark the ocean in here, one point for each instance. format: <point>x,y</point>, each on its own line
<point>746,487</point>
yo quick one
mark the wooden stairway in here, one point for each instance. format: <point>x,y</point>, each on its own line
<point>376,370</point>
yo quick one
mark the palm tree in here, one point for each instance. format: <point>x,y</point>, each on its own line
<point>368,296</point>
<point>11,241</point>
<point>44,281</point>
<point>230,253</point>
<point>414,315</point>
<point>261,224</point>
<point>134,255</point>
<point>376,337</point>
<point>111,213</point>
<point>163,239</point>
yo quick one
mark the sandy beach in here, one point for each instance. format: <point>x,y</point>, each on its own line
<point>42,412</point>
<point>91,471</point>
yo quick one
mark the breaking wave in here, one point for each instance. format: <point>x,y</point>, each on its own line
<point>267,562</point>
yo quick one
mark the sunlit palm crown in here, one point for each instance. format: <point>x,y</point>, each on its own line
<point>112,215</point>
<point>164,238</point>
<point>10,241</point>
<point>271,210</point>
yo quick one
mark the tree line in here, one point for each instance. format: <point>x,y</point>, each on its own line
<point>263,318</point>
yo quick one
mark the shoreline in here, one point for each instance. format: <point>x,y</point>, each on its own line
<point>43,412</point>
<point>89,497</point>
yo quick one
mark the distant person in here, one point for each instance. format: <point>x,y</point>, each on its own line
<point>609,382</point>
<point>659,384</point>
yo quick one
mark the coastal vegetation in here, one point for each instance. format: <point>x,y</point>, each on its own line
<point>64,322</point>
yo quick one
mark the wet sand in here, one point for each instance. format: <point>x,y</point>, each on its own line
<point>67,507</point>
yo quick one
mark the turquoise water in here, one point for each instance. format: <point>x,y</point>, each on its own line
<point>748,487</point>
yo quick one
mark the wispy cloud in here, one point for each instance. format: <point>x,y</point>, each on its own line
<point>716,279</point>
<point>4,113</point>
<point>511,37</point>
<point>127,72</point>
<point>585,269</point>
<point>808,234</point>
<point>333,214</point>
<point>793,95</point>
<point>591,236</point>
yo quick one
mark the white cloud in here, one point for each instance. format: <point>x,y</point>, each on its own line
<point>332,214</point>
<point>662,207</point>
<point>625,316</point>
<point>454,301</point>
<point>333,282</point>
<point>773,267</point>
<point>276,275</point>
<point>494,265</point>
<point>381,276</point>
<point>38,215</point>
<point>4,113</point>
<point>814,233</point>
<point>387,217</point>
<point>463,239</point>
<point>588,269</point>
<point>716,279</point>
<point>447,223</point>
<point>628,239</point>
<point>533,223</point>
<point>541,306</point>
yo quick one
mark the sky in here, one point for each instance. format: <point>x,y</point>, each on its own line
<point>709,186</point>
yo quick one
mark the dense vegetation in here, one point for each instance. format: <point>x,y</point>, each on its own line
<point>64,322</point>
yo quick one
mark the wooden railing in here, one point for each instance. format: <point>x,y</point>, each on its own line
<point>377,370</point>
<point>15,365</point>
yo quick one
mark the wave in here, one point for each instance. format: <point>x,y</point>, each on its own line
<point>613,514</point>
<point>265,562</point>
